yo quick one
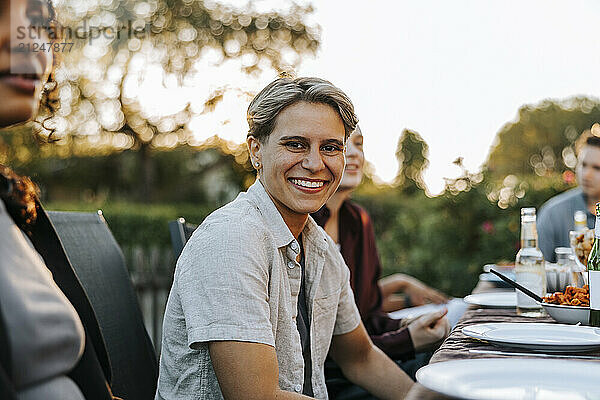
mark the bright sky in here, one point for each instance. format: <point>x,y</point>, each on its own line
<point>454,71</point>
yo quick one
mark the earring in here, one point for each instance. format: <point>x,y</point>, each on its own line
<point>257,164</point>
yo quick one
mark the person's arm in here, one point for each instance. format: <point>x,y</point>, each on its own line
<point>248,371</point>
<point>418,292</point>
<point>415,335</point>
<point>396,344</point>
<point>367,366</point>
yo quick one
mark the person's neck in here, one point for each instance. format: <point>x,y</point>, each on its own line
<point>295,223</point>
<point>335,202</point>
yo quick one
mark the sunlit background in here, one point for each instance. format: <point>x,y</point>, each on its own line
<point>470,110</point>
<point>455,72</point>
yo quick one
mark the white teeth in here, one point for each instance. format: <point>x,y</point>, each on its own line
<point>307,183</point>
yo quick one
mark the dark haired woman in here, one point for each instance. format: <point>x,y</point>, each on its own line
<point>50,343</point>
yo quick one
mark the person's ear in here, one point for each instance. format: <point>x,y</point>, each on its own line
<point>254,148</point>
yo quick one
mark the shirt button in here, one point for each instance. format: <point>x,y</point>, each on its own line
<point>298,388</point>
<point>294,246</point>
<point>291,264</point>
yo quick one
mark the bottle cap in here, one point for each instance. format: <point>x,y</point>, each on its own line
<point>528,211</point>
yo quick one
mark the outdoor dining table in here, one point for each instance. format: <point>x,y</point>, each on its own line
<point>457,346</point>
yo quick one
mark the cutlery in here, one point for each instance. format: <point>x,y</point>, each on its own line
<point>509,353</point>
<point>517,286</point>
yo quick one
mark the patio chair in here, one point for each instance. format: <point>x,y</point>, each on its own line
<point>181,232</point>
<point>100,266</point>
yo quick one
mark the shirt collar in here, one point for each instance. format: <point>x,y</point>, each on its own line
<point>276,225</point>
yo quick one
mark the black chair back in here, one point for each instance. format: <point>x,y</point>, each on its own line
<point>181,232</point>
<point>99,263</point>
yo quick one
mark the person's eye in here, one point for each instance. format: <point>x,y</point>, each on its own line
<point>38,14</point>
<point>331,148</point>
<point>38,20</point>
<point>294,146</point>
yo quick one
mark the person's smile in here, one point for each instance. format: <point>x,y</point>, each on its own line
<point>308,185</point>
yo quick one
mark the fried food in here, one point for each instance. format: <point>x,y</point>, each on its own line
<point>573,296</point>
<point>582,244</point>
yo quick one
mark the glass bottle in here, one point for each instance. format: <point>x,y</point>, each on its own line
<point>580,219</point>
<point>593,266</point>
<point>530,268</point>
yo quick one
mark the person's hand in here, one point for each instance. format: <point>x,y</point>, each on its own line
<point>420,294</point>
<point>429,330</point>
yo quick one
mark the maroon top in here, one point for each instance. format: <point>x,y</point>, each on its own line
<point>357,241</point>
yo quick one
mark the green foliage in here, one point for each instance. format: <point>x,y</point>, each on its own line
<point>99,96</point>
<point>140,224</point>
<point>211,175</point>
<point>445,241</point>
<point>541,140</point>
<point>411,154</point>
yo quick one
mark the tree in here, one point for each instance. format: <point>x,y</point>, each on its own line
<point>411,154</point>
<point>541,141</point>
<point>99,80</point>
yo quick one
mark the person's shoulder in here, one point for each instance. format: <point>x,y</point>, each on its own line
<point>360,218</point>
<point>241,212</point>
<point>357,211</point>
<point>232,226</point>
<point>560,200</point>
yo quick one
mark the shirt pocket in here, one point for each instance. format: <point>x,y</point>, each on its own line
<point>324,316</point>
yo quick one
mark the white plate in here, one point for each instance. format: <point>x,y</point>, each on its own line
<point>493,299</point>
<point>513,379</point>
<point>456,308</point>
<point>489,277</point>
<point>537,336</point>
<point>495,280</point>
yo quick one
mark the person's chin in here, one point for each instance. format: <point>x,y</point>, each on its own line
<point>309,207</point>
<point>17,112</point>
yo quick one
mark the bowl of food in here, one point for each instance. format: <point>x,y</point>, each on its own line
<point>570,307</point>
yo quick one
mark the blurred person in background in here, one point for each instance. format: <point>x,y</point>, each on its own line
<point>555,218</point>
<point>45,350</point>
<point>351,228</point>
<point>261,294</point>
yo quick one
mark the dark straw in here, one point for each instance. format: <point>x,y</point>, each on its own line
<point>517,286</point>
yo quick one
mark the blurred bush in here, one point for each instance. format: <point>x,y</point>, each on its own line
<point>140,224</point>
<point>445,240</point>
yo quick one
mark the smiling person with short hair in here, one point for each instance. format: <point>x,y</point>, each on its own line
<point>261,294</point>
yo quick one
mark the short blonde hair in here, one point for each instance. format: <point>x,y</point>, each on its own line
<point>285,91</point>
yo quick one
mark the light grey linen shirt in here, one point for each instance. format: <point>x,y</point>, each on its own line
<point>237,279</point>
<point>555,220</point>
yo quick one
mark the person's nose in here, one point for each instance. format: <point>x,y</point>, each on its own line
<point>24,38</point>
<point>313,161</point>
<point>586,172</point>
<point>351,151</point>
